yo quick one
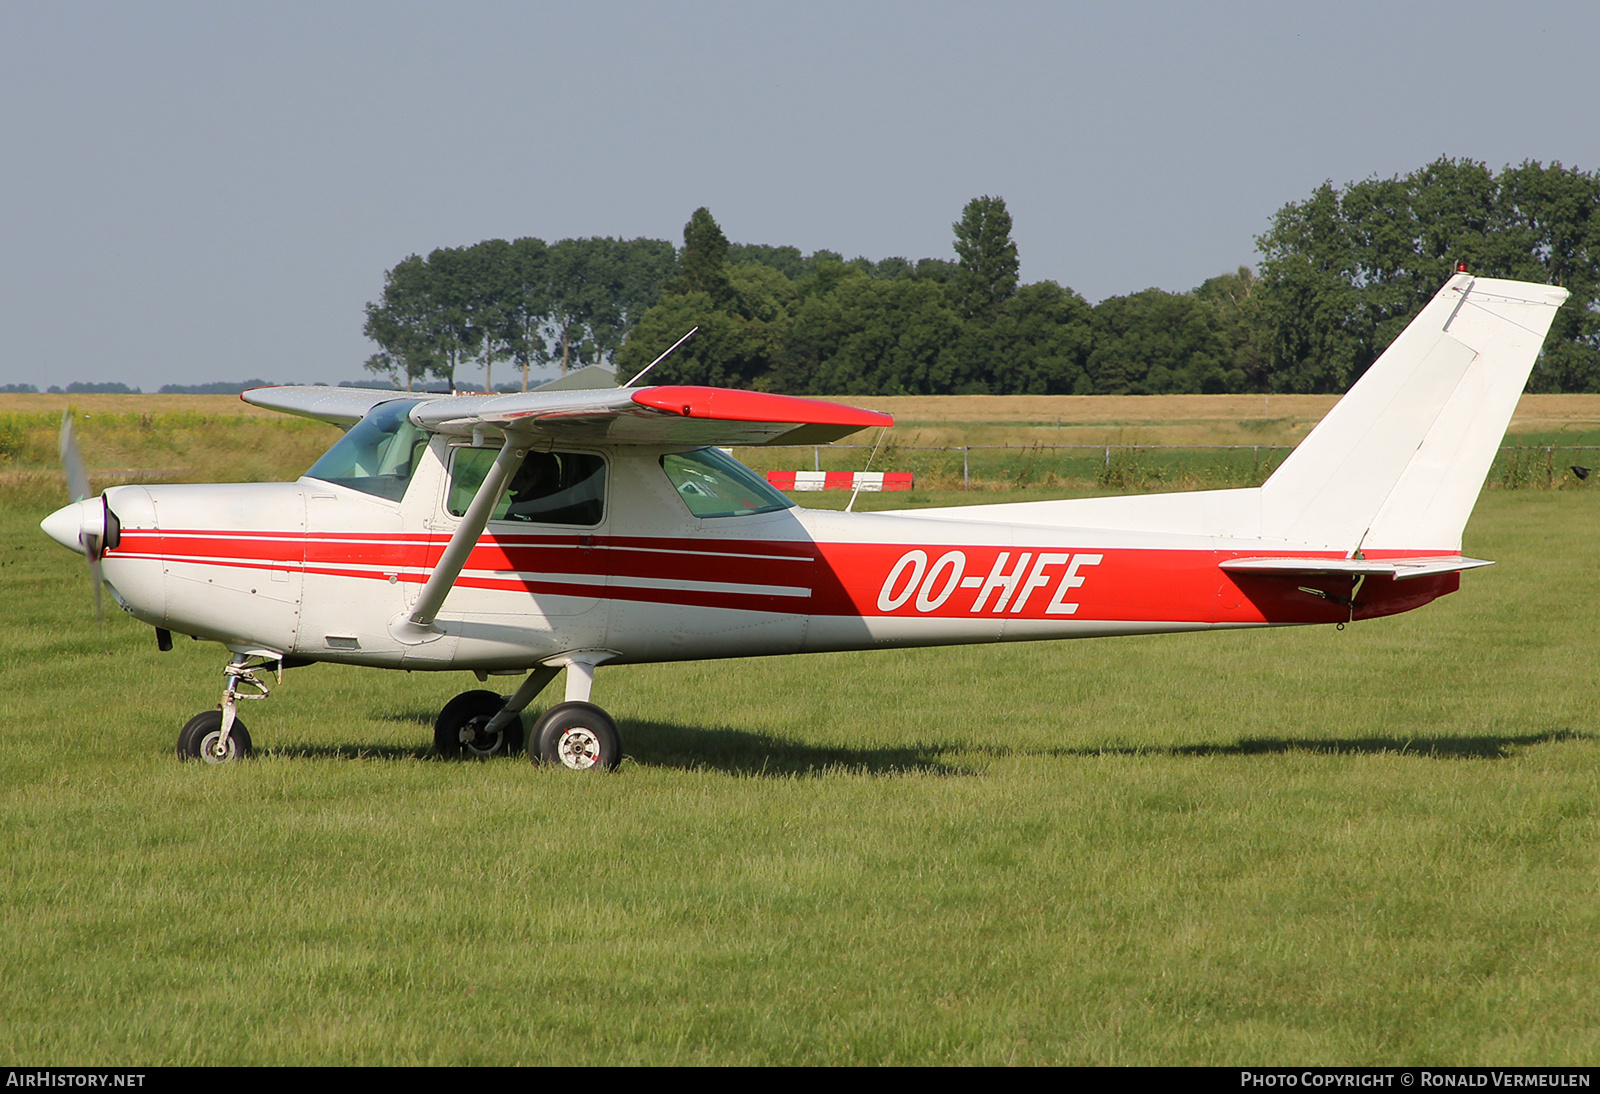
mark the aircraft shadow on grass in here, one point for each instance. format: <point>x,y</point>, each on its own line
<point>1461,747</point>
<point>671,744</point>
<point>744,752</point>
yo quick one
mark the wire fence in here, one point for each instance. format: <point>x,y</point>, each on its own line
<point>1127,466</point>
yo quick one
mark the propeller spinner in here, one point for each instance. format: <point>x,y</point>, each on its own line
<point>86,525</point>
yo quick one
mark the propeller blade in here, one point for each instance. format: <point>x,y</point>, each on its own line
<point>78,487</point>
<point>72,461</point>
<point>96,581</point>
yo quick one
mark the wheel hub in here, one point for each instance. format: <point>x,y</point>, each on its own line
<point>214,751</point>
<point>475,740</point>
<point>579,748</point>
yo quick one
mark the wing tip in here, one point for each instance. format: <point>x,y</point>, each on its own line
<point>734,405</point>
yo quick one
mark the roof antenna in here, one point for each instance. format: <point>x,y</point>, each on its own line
<point>851,507</point>
<point>660,359</point>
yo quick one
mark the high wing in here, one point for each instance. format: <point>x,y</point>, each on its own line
<point>653,415</point>
<point>668,415</point>
<point>335,405</point>
<point>665,415</point>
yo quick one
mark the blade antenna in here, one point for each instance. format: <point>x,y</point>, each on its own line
<point>663,357</point>
<point>851,507</point>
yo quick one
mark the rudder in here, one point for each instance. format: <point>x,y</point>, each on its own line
<point>1399,462</point>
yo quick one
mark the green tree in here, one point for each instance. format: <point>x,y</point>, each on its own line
<point>1235,306</point>
<point>1553,213</point>
<point>786,260</point>
<point>400,323</point>
<point>1343,272</point>
<point>1156,343</point>
<point>522,281</point>
<point>702,264</point>
<point>1040,343</point>
<point>987,274</point>
<point>724,353</point>
<point>456,312</point>
<point>742,313</point>
<point>866,336</point>
<point>599,288</point>
<point>486,269</point>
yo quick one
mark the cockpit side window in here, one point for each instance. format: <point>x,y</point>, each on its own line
<point>549,487</point>
<point>378,455</point>
<point>713,484</point>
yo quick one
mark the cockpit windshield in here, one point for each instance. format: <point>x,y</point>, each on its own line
<point>378,455</point>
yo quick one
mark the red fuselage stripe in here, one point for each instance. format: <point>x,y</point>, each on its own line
<point>1047,582</point>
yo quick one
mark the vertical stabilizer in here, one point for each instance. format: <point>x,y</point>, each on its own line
<point>1398,463</point>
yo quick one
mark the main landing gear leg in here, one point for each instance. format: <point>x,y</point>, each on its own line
<point>482,723</point>
<point>537,681</point>
<point>218,736</point>
<point>577,734</point>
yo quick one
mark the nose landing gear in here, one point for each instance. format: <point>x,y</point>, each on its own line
<point>217,736</point>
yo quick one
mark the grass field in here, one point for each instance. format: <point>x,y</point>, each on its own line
<point>1375,846</point>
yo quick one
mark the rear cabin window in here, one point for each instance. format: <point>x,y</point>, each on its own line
<point>713,484</point>
<point>549,487</point>
<point>378,455</point>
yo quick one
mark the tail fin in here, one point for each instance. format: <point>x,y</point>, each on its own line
<point>1398,463</point>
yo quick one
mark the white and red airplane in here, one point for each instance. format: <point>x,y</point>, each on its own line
<point>574,527</point>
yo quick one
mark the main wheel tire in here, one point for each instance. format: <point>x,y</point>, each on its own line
<point>580,737</point>
<point>198,737</point>
<point>458,731</point>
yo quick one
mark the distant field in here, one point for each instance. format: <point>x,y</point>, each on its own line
<point>219,437</point>
<point>1162,419</point>
<point>230,405</point>
<point>1307,846</point>
<point>1286,416</point>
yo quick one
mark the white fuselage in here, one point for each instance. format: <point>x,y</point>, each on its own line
<point>317,571</point>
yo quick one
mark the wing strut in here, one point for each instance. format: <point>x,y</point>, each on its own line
<point>417,626</point>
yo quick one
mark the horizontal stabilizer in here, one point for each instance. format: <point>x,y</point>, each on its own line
<point>1397,568</point>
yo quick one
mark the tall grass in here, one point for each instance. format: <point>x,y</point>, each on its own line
<point>164,447</point>
<point>1303,846</point>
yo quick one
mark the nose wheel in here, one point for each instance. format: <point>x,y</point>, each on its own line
<point>201,739</point>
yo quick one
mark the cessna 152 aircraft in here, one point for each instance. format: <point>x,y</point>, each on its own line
<point>570,527</point>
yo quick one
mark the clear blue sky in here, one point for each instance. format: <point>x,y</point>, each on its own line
<point>194,192</point>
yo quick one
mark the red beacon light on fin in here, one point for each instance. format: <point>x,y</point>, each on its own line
<point>1461,267</point>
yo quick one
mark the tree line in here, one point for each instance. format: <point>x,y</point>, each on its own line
<point>524,302</point>
<point>1339,275</point>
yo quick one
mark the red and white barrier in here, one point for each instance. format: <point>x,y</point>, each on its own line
<point>869,482</point>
